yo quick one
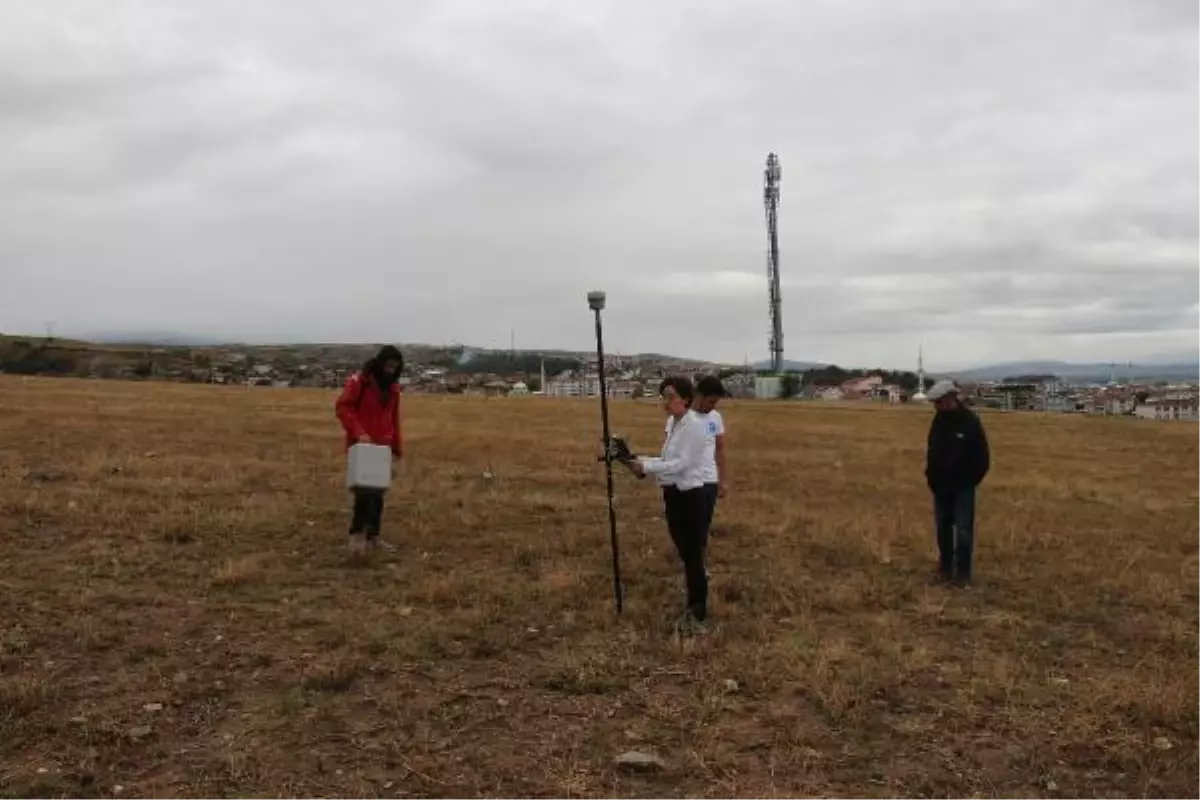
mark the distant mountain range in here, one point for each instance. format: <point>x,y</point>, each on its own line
<point>1178,366</point>
<point>154,339</point>
<point>1183,370</point>
<point>791,366</point>
<point>466,352</point>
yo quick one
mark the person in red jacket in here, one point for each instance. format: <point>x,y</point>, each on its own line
<point>369,410</point>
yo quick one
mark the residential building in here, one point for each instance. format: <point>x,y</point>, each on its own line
<point>589,387</point>
<point>858,388</point>
<point>1170,407</point>
<point>768,387</point>
<point>888,392</point>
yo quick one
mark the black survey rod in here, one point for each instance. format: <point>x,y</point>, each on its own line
<point>596,303</point>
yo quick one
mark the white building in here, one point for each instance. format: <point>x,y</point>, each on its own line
<point>1118,405</point>
<point>587,387</point>
<point>889,392</point>
<point>1060,403</point>
<point>572,387</point>
<point>768,387</point>
<point>1178,407</point>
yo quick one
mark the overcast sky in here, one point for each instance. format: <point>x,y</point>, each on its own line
<point>997,180</point>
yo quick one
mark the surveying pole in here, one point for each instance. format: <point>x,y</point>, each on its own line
<point>596,301</point>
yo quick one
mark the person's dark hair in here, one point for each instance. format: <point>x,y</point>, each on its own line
<point>374,367</point>
<point>710,386</point>
<point>681,385</point>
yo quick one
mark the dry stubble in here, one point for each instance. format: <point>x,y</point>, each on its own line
<point>182,546</point>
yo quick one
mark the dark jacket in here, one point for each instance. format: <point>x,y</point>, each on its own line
<point>957,455</point>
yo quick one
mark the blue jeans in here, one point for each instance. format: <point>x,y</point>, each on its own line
<point>954,519</point>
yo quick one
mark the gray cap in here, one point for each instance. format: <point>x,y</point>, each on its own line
<point>941,389</point>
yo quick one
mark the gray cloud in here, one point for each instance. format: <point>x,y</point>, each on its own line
<point>996,181</point>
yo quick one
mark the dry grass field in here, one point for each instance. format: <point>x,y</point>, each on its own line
<point>180,616</point>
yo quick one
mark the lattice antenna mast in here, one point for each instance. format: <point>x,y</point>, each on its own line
<point>771,177</point>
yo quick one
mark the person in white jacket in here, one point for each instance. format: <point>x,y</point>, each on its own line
<point>680,472</point>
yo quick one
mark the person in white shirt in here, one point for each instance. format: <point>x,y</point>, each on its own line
<point>680,471</point>
<point>709,391</point>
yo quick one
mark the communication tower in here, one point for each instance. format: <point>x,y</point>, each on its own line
<point>771,177</point>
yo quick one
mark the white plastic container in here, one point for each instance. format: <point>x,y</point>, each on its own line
<point>369,466</point>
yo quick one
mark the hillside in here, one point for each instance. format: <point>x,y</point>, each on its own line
<point>182,619</point>
<point>52,356</point>
<point>124,356</point>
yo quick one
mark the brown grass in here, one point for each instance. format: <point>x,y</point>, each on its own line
<point>184,546</point>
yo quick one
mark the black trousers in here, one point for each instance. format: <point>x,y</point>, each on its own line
<point>710,499</point>
<point>368,513</point>
<point>688,513</point>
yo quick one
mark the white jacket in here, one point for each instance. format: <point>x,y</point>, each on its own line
<point>682,461</point>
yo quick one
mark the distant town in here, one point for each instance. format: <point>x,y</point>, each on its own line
<point>492,373</point>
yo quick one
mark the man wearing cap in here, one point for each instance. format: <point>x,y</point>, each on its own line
<point>956,461</point>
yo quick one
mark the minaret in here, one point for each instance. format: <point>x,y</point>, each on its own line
<point>542,385</point>
<point>920,397</point>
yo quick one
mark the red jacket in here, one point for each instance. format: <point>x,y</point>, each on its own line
<point>362,411</point>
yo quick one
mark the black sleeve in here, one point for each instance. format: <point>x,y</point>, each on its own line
<point>981,458</point>
<point>929,454</point>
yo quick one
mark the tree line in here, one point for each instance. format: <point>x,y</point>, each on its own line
<point>22,357</point>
